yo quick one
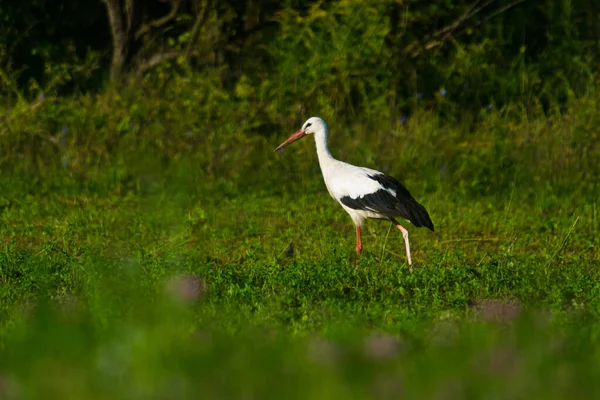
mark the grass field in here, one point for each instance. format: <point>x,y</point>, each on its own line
<point>227,271</point>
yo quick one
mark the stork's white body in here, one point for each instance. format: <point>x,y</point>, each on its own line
<point>343,179</point>
<point>364,193</point>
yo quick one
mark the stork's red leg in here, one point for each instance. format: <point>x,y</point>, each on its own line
<point>358,242</point>
<point>406,242</point>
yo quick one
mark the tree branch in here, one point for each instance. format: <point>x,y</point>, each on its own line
<point>129,13</point>
<point>196,29</point>
<point>500,11</point>
<point>158,23</point>
<point>156,59</point>
<point>449,28</point>
<point>120,38</point>
<point>414,49</point>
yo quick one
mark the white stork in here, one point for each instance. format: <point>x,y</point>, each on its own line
<point>363,192</point>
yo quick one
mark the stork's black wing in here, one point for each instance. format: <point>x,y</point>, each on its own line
<point>383,201</point>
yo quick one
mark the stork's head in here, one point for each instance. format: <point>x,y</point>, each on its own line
<point>312,125</point>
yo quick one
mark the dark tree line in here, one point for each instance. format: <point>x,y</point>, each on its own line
<point>111,40</point>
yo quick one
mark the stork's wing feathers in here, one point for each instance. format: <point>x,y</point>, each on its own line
<point>390,183</point>
<point>392,200</point>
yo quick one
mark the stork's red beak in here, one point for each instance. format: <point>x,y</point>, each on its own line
<point>298,135</point>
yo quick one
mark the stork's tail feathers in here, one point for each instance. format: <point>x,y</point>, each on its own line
<point>418,215</point>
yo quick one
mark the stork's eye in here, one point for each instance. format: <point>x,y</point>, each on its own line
<point>307,125</point>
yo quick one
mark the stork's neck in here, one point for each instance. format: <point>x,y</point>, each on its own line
<point>325,157</point>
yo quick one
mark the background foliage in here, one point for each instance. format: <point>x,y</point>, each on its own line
<point>294,57</point>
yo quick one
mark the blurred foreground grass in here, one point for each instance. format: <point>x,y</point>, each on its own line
<point>196,262</point>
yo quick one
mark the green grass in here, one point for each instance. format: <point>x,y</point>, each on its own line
<point>147,276</point>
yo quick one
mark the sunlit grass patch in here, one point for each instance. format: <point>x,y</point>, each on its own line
<point>208,264</point>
